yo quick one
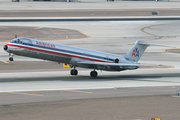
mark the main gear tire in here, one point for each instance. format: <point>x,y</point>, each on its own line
<point>93,74</point>
<point>74,72</point>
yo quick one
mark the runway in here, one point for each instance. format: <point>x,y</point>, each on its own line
<point>55,80</point>
<point>65,94</point>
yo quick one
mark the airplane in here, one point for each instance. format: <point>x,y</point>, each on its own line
<point>78,57</point>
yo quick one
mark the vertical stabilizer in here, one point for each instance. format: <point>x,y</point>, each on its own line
<point>138,49</point>
<point>136,52</point>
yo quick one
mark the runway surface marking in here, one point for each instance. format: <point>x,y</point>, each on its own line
<point>3,27</point>
<point>25,94</point>
<point>76,91</point>
<point>38,28</point>
<point>4,61</point>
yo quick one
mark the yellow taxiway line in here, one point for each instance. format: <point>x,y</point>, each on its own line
<point>159,37</point>
<point>166,50</point>
<point>25,94</point>
<point>38,28</point>
<point>77,91</point>
<point>4,61</point>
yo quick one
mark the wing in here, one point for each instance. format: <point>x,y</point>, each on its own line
<point>90,63</point>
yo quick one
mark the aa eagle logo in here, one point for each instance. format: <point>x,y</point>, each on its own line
<point>135,52</point>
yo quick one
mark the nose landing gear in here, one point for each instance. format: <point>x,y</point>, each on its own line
<point>11,57</point>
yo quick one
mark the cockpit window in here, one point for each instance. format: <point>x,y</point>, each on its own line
<point>26,40</point>
<point>16,41</point>
<point>22,40</point>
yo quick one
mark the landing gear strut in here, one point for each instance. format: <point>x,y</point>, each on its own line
<point>11,57</point>
<point>93,73</point>
<point>74,72</point>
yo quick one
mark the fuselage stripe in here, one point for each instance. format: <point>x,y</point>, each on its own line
<point>53,52</point>
<point>68,51</point>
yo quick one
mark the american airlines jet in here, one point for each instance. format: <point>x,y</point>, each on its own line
<point>78,57</point>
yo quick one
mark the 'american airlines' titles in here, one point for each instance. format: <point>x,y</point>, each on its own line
<point>45,44</point>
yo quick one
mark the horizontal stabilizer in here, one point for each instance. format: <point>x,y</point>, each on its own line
<point>150,44</point>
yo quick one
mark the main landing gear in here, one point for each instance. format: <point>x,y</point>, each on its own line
<point>93,74</point>
<point>74,72</point>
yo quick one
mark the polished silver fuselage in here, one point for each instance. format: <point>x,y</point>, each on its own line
<point>64,54</point>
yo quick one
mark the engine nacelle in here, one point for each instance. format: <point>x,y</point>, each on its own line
<point>116,60</point>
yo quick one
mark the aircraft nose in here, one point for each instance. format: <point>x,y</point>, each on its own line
<point>5,47</point>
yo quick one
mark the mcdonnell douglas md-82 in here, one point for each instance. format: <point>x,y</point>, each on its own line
<point>78,57</point>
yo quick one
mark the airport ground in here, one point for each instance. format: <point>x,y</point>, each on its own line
<point>38,89</point>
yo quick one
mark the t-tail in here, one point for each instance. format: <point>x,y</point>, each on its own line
<point>138,49</point>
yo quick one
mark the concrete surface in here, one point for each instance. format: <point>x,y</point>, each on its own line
<point>91,12</point>
<point>87,4</point>
<point>39,33</point>
<point>35,88</point>
<point>126,108</point>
